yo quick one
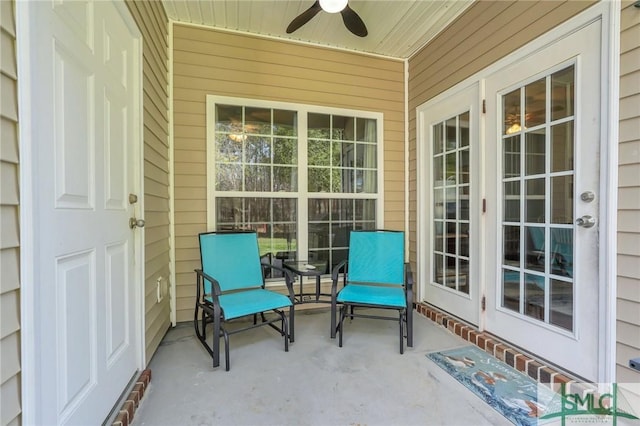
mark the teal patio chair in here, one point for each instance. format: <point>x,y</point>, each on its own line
<point>376,277</point>
<point>231,286</point>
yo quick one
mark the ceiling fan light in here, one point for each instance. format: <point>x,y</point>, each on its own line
<point>333,6</point>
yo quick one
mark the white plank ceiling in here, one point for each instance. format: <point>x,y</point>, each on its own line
<point>397,28</point>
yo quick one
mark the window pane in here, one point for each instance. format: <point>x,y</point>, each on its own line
<point>438,138</point>
<point>438,269</point>
<point>366,130</point>
<point>343,128</point>
<point>450,134</point>
<point>285,151</point>
<point>318,235</point>
<point>562,199</point>
<point>451,168</point>
<point>512,201</point>
<point>257,120</point>
<point>562,93</point>
<point>463,237</point>
<point>450,245</point>
<point>464,202</point>
<point>366,155</point>
<point>562,147</point>
<point>342,154</point>
<point>319,180</point>
<point>438,171</point>
<point>534,290</point>
<point>534,246</point>
<point>561,259</point>
<point>535,200</point>
<point>257,178</point>
<point>229,211</point>
<point>228,118</point>
<point>341,210</point>
<point>463,172</point>
<point>285,123</point>
<point>366,181</point>
<point>438,236</point>
<point>227,149</point>
<point>464,129</point>
<point>511,290</point>
<point>365,210</point>
<point>535,103</point>
<point>511,246</point>
<point>284,209</point>
<point>318,209</point>
<point>535,152</point>
<point>511,112</point>
<point>258,150</point>
<point>228,177</point>
<point>318,153</point>
<point>342,180</point>
<point>285,179</point>
<point>319,126</point>
<point>512,157</point>
<point>451,203</point>
<point>463,276</point>
<point>561,309</point>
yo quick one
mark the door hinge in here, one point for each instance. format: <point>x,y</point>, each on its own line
<point>484,106</point>
<point>483,303</point>
<point>484,205</point>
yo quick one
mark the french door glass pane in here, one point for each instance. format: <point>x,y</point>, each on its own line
<point>451,200</point>
<point>538,199</point>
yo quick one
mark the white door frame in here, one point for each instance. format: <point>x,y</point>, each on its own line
<point>28,258</point>
<point>609,13</point>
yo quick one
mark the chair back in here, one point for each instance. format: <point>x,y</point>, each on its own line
<point>376,257</point>
<point>232,258</point>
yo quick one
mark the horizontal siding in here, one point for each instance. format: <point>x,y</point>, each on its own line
<point>153,24</point>
<point>483,34</point>
<point>628,284</point>
<point>10,405</point>
<point>228,64</point>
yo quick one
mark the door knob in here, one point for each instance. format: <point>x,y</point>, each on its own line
<point>136,223</point>
<point>586,221</point>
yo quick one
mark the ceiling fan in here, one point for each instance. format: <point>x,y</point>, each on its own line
<point>352,21</point>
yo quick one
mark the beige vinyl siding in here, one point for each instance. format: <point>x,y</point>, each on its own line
<point>153,23</point>
<point>486,32</point>
<point>10,406</point>
<point>628,303</point>
<point>209,62</point>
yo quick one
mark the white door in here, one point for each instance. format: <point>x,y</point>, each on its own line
<point>543,142</point>
<point>83,80</point>
<point>450,209</point>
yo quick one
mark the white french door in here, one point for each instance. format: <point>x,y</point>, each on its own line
<point>543,141</point>
<point>81,63</point>
<point>449,222</point>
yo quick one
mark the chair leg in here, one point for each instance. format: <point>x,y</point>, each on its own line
<point>291,324</point>
<point>343,312</point>
<point>285,327</point>
<point>226,350</point>
<point>333,319</point>
<point>409,315</point>
<point>401,323</point>
<point>216,337</point>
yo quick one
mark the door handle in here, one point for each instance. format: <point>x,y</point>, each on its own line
<point>136,223</point>
<point>586,221</point>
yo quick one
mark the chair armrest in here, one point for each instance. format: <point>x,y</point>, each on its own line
<point>288,279</point>
<point>334,276</point>
<point>214,285</point>
<point>408,276</point>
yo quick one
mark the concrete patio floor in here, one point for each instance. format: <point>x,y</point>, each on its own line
<point>366,382</point>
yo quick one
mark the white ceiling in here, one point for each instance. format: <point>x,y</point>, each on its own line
<point>397,28</point>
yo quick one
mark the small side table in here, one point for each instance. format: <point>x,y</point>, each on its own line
<point>300,268</point>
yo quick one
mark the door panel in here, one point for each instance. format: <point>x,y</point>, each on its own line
<point>84,69</point>
<point>543,128</point>
<point>449,222</point>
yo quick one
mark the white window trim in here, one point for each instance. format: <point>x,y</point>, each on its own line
<point>302,110</point>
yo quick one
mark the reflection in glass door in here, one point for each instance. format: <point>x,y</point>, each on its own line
<point>451,189</point>
<point>537,194</point>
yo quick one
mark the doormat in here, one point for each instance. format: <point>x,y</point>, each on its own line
<point>514,395</point>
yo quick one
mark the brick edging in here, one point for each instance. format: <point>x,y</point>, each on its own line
<point>538,370</point>
<point>130,405</point>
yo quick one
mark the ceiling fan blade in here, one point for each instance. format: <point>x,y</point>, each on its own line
<point>304,17</point>
<point>353,22</point>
